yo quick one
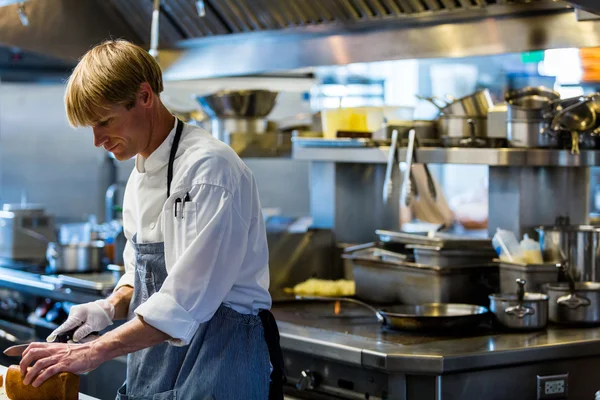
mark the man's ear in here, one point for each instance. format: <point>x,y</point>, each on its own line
<point>145,95</point>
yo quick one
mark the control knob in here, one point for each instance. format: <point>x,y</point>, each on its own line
<point>307,381</point>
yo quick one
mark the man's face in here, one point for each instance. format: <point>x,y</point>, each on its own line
<point>124,132</point>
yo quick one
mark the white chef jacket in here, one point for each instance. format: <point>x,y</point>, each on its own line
<point>216,252</point>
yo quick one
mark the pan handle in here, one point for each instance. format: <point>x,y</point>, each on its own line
<point>379,316</point>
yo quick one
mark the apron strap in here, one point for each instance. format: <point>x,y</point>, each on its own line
<point>172,155</point>
<point>278,377</point>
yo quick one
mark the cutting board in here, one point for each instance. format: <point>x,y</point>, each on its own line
<point>3,395</point>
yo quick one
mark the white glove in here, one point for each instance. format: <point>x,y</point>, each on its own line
<point>85,319</point>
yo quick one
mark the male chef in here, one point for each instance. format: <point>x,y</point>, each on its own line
<point>195,291</point>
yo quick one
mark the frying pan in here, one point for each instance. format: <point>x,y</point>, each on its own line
<point>432,317</point>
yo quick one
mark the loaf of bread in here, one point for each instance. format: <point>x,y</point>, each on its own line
<point>64,386</point>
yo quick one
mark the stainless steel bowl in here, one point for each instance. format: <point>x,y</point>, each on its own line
<point>238,103</point>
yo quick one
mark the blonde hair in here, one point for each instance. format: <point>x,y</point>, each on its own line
<point>107,75</point>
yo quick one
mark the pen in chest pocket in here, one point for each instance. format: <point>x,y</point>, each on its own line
<point>181,204</point>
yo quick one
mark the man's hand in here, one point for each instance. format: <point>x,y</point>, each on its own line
<point>94,317</point>
<point>53,358</point>
<point>49,359</point>
<point>85,319</point>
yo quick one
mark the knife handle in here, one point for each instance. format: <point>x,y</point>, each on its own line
<point>68,336</point>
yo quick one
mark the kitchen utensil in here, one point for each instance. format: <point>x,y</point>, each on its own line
<point>462,131</point>
<point>427,255</point>
<point>76,257</point>
<point>388,184</point>
<point>522,311</point>
<point>577,118</point>
<point>238,103</point>
<point>427,132</point>
<point>25,230</point>
<point>473,105</point>
<point>388,280</point>
<point>408,187</point>
<point>535,276</point>
<point>525,94</point>
<point>433,317</point>
<point>430,182</point>
<point>574,302</point>
<point>577,305</point>
<point>435,239</point>
<point>529,102</point>
<point>579,244</point>
<point>529,133</point>
<point>17,351</point>
<point>438,103</point>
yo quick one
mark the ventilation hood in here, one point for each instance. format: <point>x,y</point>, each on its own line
<point>592,6</point>
<point>213,38</point>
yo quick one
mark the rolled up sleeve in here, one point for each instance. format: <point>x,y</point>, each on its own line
<point>129,260</point>
<point>204,257</point>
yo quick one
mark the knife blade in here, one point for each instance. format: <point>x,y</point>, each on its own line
<point>16,351</point>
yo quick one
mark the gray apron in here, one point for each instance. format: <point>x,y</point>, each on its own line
<point>228,357</point>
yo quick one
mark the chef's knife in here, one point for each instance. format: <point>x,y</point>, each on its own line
<point>17,351</point>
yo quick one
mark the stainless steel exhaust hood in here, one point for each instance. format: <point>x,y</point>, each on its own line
<point>592,6</point>
<point>210,38</point>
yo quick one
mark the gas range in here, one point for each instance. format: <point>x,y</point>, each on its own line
<point>32,299</point>
<point>344,352</point>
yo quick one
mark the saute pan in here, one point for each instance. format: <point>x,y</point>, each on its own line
<point>432,317</point>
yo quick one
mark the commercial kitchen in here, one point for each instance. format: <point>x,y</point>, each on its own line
<point>428,173</point>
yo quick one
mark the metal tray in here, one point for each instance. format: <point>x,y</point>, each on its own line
<point>98,282</point>
<point>535,276</point>
<point>438,240</point>
<point>444,257</point>
<point>398,282</point>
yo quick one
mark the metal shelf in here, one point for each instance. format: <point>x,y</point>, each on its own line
<point>492,157</point>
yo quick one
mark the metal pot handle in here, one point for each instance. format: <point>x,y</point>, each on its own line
<point>573,301</point>
<point>388,185</point>
<point>434,100</point>
<point>519,311</point>
<point>379,316</point>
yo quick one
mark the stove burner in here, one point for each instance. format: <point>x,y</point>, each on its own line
<point>356,320</point>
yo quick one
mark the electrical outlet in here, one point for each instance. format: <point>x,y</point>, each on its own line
<point>552,386</point>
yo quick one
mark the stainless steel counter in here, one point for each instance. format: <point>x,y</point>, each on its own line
<point>353,347</point>
<point>40,285</point>
<point>360,340</point>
